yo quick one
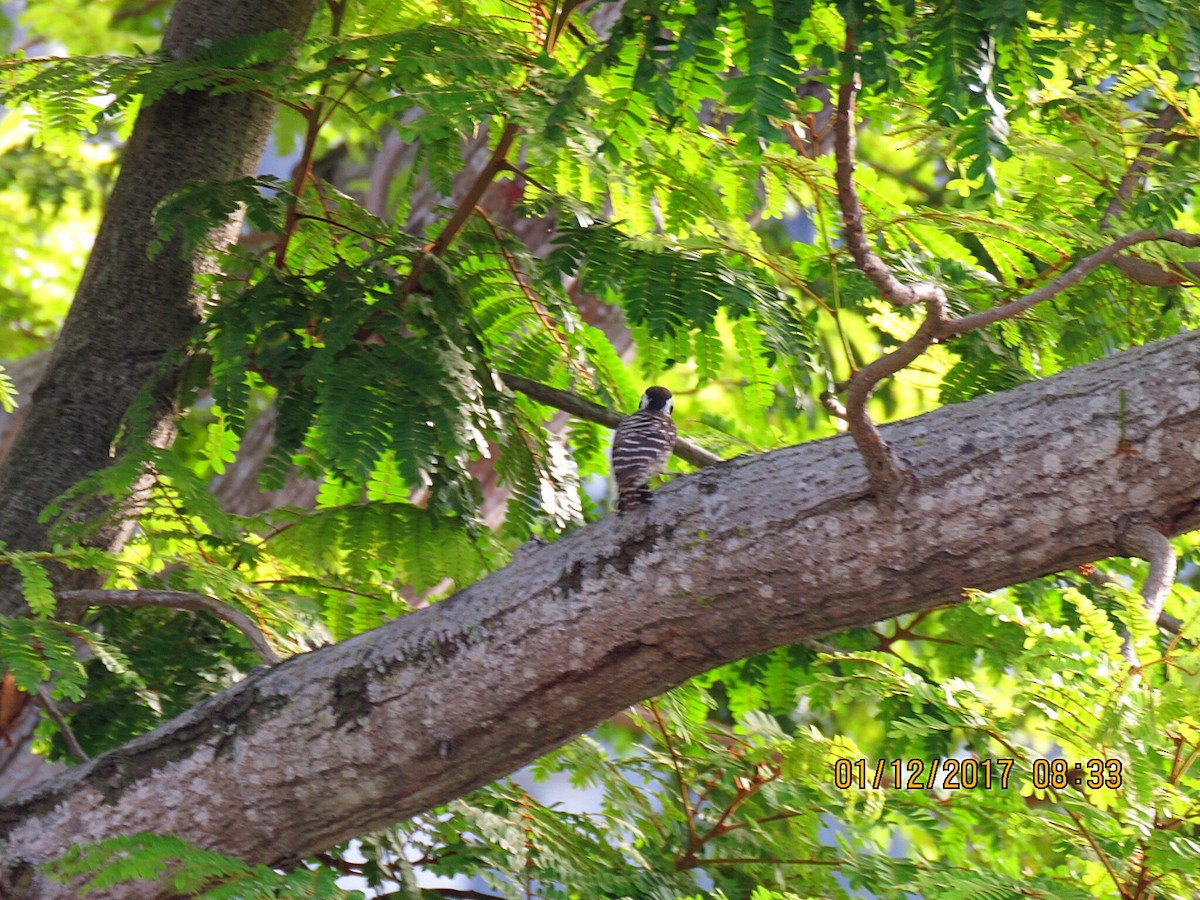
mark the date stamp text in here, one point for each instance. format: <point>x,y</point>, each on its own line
<point>973,774</point>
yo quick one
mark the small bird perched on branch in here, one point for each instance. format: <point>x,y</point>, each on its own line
<point>641,447</point>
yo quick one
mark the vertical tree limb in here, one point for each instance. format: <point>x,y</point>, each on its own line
<point>132,315</point>
<point>865,257</point>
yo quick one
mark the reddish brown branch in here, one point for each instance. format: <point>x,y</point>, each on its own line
<point>684,802</point>
<point>496,164</point>
<point>487,175</point>
<point>303,172</point>
<point>521,279</point>
<point>751,787</point>
<point>886,473</point>
<point>867,260</point>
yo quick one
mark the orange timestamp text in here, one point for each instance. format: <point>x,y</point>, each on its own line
<point>974,774</point>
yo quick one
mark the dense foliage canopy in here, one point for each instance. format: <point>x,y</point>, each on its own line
<point>470,189</point>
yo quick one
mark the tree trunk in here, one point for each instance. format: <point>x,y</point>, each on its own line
<point>733,560</point>
<point>132,315</point>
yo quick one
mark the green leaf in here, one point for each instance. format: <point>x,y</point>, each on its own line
<point>36,586</point>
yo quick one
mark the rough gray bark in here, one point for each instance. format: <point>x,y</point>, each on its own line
<point>131,314</point>
<point>735,559</point>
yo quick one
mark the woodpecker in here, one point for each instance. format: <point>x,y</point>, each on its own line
<point>642,446</point>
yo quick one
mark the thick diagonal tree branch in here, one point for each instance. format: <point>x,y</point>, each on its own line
<point>732,560</point>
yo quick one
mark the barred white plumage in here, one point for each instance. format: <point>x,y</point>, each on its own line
<point>642,446</point>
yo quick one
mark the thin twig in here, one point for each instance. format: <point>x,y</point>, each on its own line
<point>721,826</point>
<point>1097,849</point>
<point>1151,149</point>
<point>497,163</point>
<point>47,703</point>
<point>754,860</point>
<point>1071,277</point>
<point>688,812</point>
<point>303,172</point>
<point>343,226</point>
<point>521,279</point>
<point>885,471</point>
<point>822,647</point>
<point>832,404</point>
<point>179,600</point>
<point>1140,270</point>
<point>601,415</point>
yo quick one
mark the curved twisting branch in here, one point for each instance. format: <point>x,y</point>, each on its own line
<point>886,473</point>
<point>867,260</point>
<point>178,600</point>
<point>1150,544</point>
<point>1144,542</point>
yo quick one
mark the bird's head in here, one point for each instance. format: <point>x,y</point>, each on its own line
<point>657,399</point>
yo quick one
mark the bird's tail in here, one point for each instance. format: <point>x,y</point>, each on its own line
<point>633,497</point>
